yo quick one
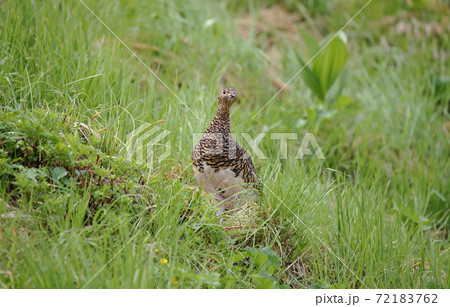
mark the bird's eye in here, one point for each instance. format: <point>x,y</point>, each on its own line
<point>224,92</point>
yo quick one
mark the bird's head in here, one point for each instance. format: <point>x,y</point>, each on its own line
<point>227,96</point>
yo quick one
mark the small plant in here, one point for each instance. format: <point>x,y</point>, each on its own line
<point>266,263</point>
<point>263,264</point>
<point>324,73</point>
<point>328,61</point>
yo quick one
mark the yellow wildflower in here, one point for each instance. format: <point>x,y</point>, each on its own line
<point>164,261</point>
<point>174,281</point>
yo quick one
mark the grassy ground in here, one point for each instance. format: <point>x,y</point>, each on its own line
<point>76,212</point>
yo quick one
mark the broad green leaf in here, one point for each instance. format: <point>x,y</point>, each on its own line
<point>414,216</point>
<point>238,257</point>
<point>319,285</point>
<point>58,173</point>
<point>334,93</point>
<point>259,259</point>
<point>329,63</point>
<point>272,257</point>
<point>311,80</point>
<point>410,213</point>
<point>265,260</point>
<point>32,173</point>
<point>263,282</point>
<point>209,278</point>
<point>312,47</point>
<point>227,282</point>
<point>313,83</point>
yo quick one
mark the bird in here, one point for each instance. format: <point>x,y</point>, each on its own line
<point>220,165</point>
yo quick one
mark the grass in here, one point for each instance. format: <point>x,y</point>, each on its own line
<point>76,212</point>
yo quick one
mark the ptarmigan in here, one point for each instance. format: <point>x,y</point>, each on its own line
<point>220,165</point>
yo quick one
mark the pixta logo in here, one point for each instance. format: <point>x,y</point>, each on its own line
<point>145,144</point>
<point>218,143</point>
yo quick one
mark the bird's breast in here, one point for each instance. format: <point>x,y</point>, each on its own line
<point>223,180</point>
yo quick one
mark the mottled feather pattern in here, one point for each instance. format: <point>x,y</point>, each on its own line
<point>218,149</point>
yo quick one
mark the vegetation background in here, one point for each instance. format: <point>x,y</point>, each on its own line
<point>76,210</point>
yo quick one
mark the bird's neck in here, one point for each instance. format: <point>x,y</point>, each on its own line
<point>221,121</point>
<point>223,111</point>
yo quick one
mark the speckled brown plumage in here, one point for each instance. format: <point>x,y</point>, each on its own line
<point>218,151</point>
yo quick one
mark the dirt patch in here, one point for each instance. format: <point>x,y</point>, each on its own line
<point>275,24</point>
<point>273,19</point>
